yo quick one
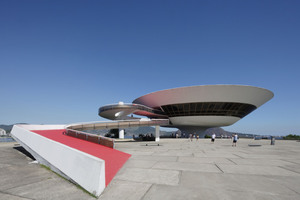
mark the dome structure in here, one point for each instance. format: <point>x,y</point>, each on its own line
<point>194,108</point>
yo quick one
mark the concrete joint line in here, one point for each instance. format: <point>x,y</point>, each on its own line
<point>231,161</point>
<point>154,164</point>
<point>147,191</point>
<point>237,155</point>
<point>219,168</point>
<point>288,169</point>
<point>26,184</point>
<point>289,161</point>
<point>14,195</point>
<point>179,177</point>
<point>293,190</point>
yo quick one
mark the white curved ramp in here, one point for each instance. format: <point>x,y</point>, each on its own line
<point>84,169</point>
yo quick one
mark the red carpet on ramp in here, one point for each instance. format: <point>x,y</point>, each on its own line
<point>114,159</point>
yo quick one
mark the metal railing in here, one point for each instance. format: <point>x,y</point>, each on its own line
<point>108,142</point>
<point>130,106</point>
<point>117,124</point>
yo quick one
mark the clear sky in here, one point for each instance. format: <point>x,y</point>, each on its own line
<point>61,60</point>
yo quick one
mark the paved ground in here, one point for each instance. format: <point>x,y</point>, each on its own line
<point>20,180</point>
<point>177,169</point>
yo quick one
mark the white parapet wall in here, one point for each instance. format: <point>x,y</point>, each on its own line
<point>86,170</point>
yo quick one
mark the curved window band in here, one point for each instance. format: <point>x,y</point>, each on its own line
<point>209,109</point>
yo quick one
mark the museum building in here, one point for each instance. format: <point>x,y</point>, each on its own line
<point>194,108</point>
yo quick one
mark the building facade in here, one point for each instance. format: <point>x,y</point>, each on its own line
<point>193,109</point>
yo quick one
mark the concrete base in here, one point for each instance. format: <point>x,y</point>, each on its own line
<point>157,134</point>
<point>21,179</point>
<point>121,134</point>
<point>177,169</point>
<point>61,158</point>
<point>181,169</point>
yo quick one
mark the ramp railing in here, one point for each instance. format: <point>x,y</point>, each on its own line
<point>108,142</point>
<point>118,124</point>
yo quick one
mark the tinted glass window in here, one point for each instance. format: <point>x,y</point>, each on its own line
<point>209,108</point>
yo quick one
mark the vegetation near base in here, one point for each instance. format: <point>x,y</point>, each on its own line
<point>292,137</point>
<point>78,186</point>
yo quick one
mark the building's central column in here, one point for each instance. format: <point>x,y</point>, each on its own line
<point>121,133</point>
<point>157,133</point>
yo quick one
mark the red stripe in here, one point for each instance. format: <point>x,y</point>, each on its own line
<point>114,159</point>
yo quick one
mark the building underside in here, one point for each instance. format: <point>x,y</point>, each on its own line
<point>193,109</point>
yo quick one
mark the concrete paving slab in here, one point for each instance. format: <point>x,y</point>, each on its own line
<point>258,170</point>
<point>187,167</point>
<point>135,163</point>
<point>156,176</point>
<point>235,182</point>
<point>4,196</point>
<point>258,156</point>
<point>139,152</point>
<point>20,180</point>
<point>10,155</point>
<point>220,154</point>
<point>173,171</point>
<point>158,192</point>
<point>263,180</point>
<point>291,182</point>
<point>205,160</point>
<point>155,158</point>
<point>257,161</point>
<point>293,168</point>
<point>292,160</point>
<point>40,190</point>
<point>4,165</point>
<point>166,192</point>
<point>15,176</point>
<point>175,153</point>
<point>125,190</point>
<point>199,154</point>
<point>267,196</point>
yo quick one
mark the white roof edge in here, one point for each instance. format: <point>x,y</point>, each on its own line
<point>206,86</point>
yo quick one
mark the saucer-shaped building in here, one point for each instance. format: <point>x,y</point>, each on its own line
<point>194,108</point>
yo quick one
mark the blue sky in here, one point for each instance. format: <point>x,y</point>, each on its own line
<point>61,60</point>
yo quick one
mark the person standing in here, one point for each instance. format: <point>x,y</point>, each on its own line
<point>234,139</point>
<point>213,137</point>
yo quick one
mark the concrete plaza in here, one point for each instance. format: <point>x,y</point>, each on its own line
<point>180,169</point>
<point>176,169</point>
<point>20,179</point>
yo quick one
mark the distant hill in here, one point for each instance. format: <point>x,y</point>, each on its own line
<point>218,131</point>
<point>150,130</point>
<point>7,128</point>
<point>129,132</point>
<point>221,132</point>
